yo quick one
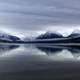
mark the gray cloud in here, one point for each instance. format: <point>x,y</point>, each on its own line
<point>36,15</point>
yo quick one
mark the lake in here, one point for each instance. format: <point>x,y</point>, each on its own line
<point>39,62</point>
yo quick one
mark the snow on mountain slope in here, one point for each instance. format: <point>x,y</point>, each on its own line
<point>50,35</point>
<point>75,33</point>
<point>8,37</point>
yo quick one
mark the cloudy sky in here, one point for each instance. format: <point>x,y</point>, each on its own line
<point>31,17</point>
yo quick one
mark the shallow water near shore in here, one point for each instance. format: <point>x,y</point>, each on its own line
<point>39,62</point>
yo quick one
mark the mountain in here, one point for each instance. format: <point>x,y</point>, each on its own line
<point>49,35</point>
<point>75,33</point>
<point>8,37</point>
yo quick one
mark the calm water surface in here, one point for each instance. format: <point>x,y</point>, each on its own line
<point>39,62</point>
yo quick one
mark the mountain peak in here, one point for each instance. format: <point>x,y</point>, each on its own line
<point>76,31</point>
<point>8,37</point>
<point>49,35</point>
<point>54,32</point>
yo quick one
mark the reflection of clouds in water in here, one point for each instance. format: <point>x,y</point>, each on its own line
<point>30,57</point>
<point>38,51</point>
<point>19,50</point>
<point>61,53</point>
<point>4,49</point>
<point>65,54</point>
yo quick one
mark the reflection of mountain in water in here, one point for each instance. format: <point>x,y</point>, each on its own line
<point>74,50</point>
<point>49,49</point>
<point>4,48</point>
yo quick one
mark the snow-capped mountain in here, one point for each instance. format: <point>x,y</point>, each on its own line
<point>8,37</point>
<point>50,35</point>
<point>75,33</point>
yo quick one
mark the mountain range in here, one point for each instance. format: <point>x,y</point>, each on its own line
<point>53,35</point>
<point>4,37</point>
<point>48,37</point>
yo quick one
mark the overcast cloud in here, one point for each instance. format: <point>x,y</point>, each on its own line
<point>29,16</point>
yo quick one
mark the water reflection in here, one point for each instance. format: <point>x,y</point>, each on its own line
<point>54,49</point>
<point>7,47</point>
<point>50,49</point>
<point>59,52</point>
<point>28,62</point>
<point>64,51</point>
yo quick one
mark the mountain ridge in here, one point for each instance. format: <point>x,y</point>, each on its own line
<point>8,37</point>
